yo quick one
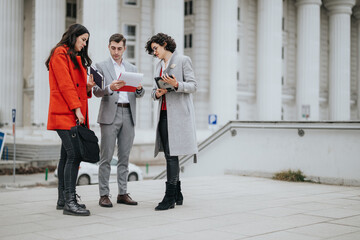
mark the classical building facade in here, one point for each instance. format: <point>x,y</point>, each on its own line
<point>265,60</point>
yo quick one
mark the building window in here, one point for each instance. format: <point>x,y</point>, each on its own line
<point>188,41</point>
<point>71,9</point>
<point>237,111</point>
<point>130,32</point>
<point>130,2</point>
<point>283,24</point>
<point>237,76</point>
<point>130,35</point>
<point>238,14</point>
<point>282,52</point>
<point>188,7</point>
<point>238,45</point>
<point>130,49</point>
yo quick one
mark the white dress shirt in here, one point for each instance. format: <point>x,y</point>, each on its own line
<point>123,96</point>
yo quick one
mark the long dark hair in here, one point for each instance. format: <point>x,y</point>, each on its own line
<point>69,39</point>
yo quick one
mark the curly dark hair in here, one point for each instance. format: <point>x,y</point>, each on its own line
<point>69,39</point>
<point>162,39</point>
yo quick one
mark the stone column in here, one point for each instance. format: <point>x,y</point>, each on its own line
<point>339,58</point>
<point>49,25</point>
<point>356,12</point>
<point>102,21</point>
<point>223,60</point>
<point>269,62</point>
<point>308,58</point>
<point>169,19</point>
<point>11,61</point>
<point>145,117</point>
<point>200,58</point>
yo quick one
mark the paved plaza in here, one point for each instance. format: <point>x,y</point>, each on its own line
<point>219,207</point>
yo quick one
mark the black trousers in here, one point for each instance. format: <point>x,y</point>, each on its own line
<point>68,167</point>
<point>172,162</point>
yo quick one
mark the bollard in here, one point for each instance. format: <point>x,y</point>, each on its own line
<point>147,168</point>
<point>46,174</point>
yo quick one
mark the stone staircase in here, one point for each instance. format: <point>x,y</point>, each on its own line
<point>37,155</point>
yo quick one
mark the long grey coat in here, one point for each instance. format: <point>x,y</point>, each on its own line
<point>108,106</point>
<point>180,108</point>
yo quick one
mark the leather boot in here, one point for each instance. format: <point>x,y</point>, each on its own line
<point>61,201</point>
<point>169,198</point>
<point>72,208</point>
<point>179,197</point>
<point>79,204</point>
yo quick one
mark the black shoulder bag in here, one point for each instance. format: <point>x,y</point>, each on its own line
<point>86,142</point>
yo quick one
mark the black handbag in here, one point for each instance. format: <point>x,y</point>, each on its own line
<point>86,142</point>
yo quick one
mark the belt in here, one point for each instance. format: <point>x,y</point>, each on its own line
<point>124,105</point>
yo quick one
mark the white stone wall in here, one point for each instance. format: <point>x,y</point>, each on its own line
<point>11,61</point>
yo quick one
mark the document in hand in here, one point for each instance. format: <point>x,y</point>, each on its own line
<point>98,77</point>
<point>161,84</point>
<point>132,81</point>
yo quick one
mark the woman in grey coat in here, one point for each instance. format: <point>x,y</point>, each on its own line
<point>175,133</point>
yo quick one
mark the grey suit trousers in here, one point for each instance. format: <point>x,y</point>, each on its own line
<point>121,129</point>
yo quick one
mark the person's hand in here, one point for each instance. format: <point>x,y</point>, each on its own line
<point>90,83</point>
<point>159,92</point>
<point>117,84</point>
<point>79,115</point>
<point>170,80</point>
<point>139,87</point>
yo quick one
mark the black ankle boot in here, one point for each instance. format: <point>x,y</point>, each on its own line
<point>61,201</point>
<point>169,198</point>
<point>79,204</point>
<point>179,197</point>
<point>72,208</point>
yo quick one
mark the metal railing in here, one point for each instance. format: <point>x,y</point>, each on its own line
<point>231,127</point>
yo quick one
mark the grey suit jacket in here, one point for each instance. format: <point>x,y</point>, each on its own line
<point>180,108</point>
<point>108,106</point>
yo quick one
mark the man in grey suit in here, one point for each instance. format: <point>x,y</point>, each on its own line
<point>117,118</point>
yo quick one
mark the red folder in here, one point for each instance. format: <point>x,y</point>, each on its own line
<point>127,89</point>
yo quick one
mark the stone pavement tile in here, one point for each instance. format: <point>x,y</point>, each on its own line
<point>335,213</point>
<point>325,230</point>
<point>303,220</point>
<point>238,218</point>
<point>351,236</point>
<point>205,235</point>
<point>277,212</point>
<point>79,231</point>
<point>62,221</point>
<point>312,206</point>
<point>256,228</point>
<point>145,233</point>
<point>349,221</point>
<point>283,235</point>
<point>26,218</point>
<point>17,229</point>
<point>196,225</point>
<point>86,238</point>
<point>26,236</point>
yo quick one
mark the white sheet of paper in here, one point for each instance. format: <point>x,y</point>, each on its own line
<point>131,78</point>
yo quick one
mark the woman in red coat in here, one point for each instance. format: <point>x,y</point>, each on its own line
<point>69,91</point>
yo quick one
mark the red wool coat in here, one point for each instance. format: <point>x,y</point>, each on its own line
<point>67,91</point>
